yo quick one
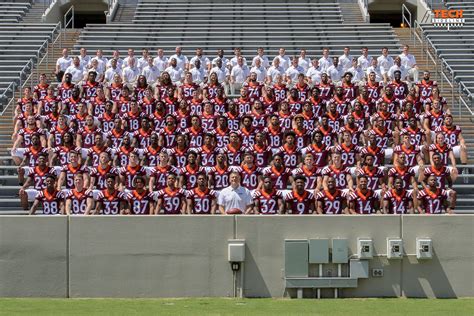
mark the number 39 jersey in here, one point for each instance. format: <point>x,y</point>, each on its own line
<point>172,200</point>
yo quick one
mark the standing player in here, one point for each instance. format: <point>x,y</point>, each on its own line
<point>268,200</point>
<point>299,201</point>
<point>202,200</point>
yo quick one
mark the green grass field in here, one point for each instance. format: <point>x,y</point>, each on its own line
<point>223,306</point>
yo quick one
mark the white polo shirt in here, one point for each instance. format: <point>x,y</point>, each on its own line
<point>77,73</point>
<point>150,73</point>
<point>403,70</point>
<point>110,73</point>
<point>130,75</point>
<point>63,63</point>
<point>222,73</point>
<point>233,62</point>
<point>293,72</point>
<point>231,198</point>
<point>284,61</point>
<point>142,63</point>
<point>314,74</point>
<point>345,61</point>
<point>305,63</point>
<point>261,73</point>
<point>224,60</point>
<point>119,63</point>
<point>408,61</point>
<point>199,74</point>
<point>240,73</point>
<point>385,62</point>
<point>324,63</point>
<point>181,60</point>
<point>263,59</point>
<point>204,61</point>
<point>335,73</point>
<point>176,73</point>
<point>364,62</point>
<point>273,72</point>
<point>84,60</point>
<point>378,72</point>
<point>161,63</point>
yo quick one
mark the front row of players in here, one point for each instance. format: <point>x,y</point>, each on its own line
<point>266,200</point>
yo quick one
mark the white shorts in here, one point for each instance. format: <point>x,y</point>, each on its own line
<point>389,153</point>
<point>32,194</point>
<point>457,151</point>
<point>19,152</point>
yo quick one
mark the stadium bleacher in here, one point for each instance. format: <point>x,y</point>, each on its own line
<point>12,12</point>
<point>456,46</point>
<point>213,25</point>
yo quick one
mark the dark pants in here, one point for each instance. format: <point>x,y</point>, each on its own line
<point>60,75</point>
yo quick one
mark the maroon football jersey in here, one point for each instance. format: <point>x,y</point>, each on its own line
<point>311,176</point>
<point>398,203</point>
<point>140,203</point>
<point>220,177</point>
<point>363,203</point>
<point>433,202</point>
<point>300,204</point>
<point>267,203</point>
<point>70,171</point>
<point>99,175</point>
<point>171,200</point>
<point>332,203</point>
<point>38,176</point>
<point>78,200</point>
<point>202,201</point>
<point>111,202</point>
<point>280,178</point>
<point>50,201</point>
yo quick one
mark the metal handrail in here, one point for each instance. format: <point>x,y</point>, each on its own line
<point>364,8</point>
<point>405,19</point>
<point>71,20</point>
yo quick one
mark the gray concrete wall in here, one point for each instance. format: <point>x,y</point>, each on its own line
<point>33,256</point>
<point>177,256</point>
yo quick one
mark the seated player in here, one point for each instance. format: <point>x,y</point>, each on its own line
<point>433,200</point>
<point>79,199</point>
<point>219,174</point>
<point>129,172</point>
<point>66,178</point>
<point>51,199</point>
<point>201,199</point>
<point>445,150</point>
<point>398,200</point>
<point>280,175</point>
<point>341,173</point>
<point>171,200</point>
<point>188,174</point>
<point>318,149</point>
<point>311,172</point>
<point>363,200</point>
<point>99,174</point>
<point>110,201</point>
<point>331,201</point>
<point>267,200</point>
<point>289,151</point>
<point>299,201</point>
<point>453,137</point>
<point>251,175</point>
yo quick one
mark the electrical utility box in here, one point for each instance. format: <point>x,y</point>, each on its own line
<point>365,248</point>
<point>394,248</point>
<point>236,250</point>
<point>424,248</point>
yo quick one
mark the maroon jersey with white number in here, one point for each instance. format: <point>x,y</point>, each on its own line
<point>130,173</point>
<point>140,203</point>
<point>444,151</point>
<point>250,176</point>
<point>373,176</point>
<point>363,203</point>
<point>280,178</point>
<point>378,153</point>
<point>187,90</point>
<point>351,91</point>
<point>38,176</point>
<point>406,174</point>
<point>220,177</point>
<point>326,90</point>
<point>340,175</point>
<point>416,135</point>
<point>274,137</point>
<point>425,88</point>
<point>88,136</point>
<point>115,91</point>
<point>389,119</point>
<point>254,90</point>
<point>451,135</point>
<point>89,89</point>
<point>99,175</point>
<point>94,153</point>
<point>311,176</point>
<point>291,155</point>
<point>41,91</point>
<point>172,200</point>
<point>50,201</point>
<point>107,121</point>
<point>382,136</point>
<point>190,175</point>
<point>400,90</point>
<point>442,175</point>
<point>234,155</point>
<point>332,202</point>
<point>115,137</point>
<point>320,154</point>
<point>300,204</point>
<point>62,153</point>
<point>202,200</point>
<point>348,153</point>
<point>374,91</point>
<point>433,202</point>
<point>211,90</point>
<point>195,136</point>
<point>207,156</point>
<point>169,136</point>
<point>26,133</point>
<point>65,91</point>
<point>70,171</point>
<point>410,153</point>
<point>280,92</point>
<point>179,156</point>
<point>342,104</point>
<point>111,201</point>
<point>398,203</point>
<point>267,203</point>
<point>262,155</point>
<point>78,200</point>
<point>244,104</point>
<point>143,137</point>
<point>435,120</point>
<point>152,155</point>
<point>31,154</point>
<point>319,106</point>
<point>123,155</point>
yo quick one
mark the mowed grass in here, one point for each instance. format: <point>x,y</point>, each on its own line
<point>224,306</point>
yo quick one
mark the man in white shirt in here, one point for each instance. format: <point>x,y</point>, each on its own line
<point>101,61</point>
<point>160,61</point>
<point>198,72</point>
<point>259,70</point>
<point>205,62</point>
<point>397,65</point>
<point>408,61</point>
<point>62,64</point>
<point>112,71</point>
<point>151,72</point>
<point>84,58</point>
<point>325,62</point>
<point>364,60</point>
<point>335,71</point>
<point>274,71</point>
<point>263,59</point>
<point>313,74</point>
<point>116,56</point>
<point>385,61</point>
<point>284,60</point>
<point>235,199</point>
<point>176,73</point>
<point>345,60</point>
<point>293,72</point>
<point>220,56</point>
<point>303,61</point>
<point>130,73</point>
<point>375,68</point>
<point>76,70</point>
<point>238,75</point>
<point>234,60</point>
<point>181,60</point>
<point>143,61</point>
<point>131,54</point>
<point>356,71</point>
<point>223,74</point>
<point>94,67</point>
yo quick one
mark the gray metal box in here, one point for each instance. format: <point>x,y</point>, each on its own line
<point>359,269</point>
<point>296,258</point>
<point>340,251</point>
<point>319,251</point>
<point>236,250</point>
